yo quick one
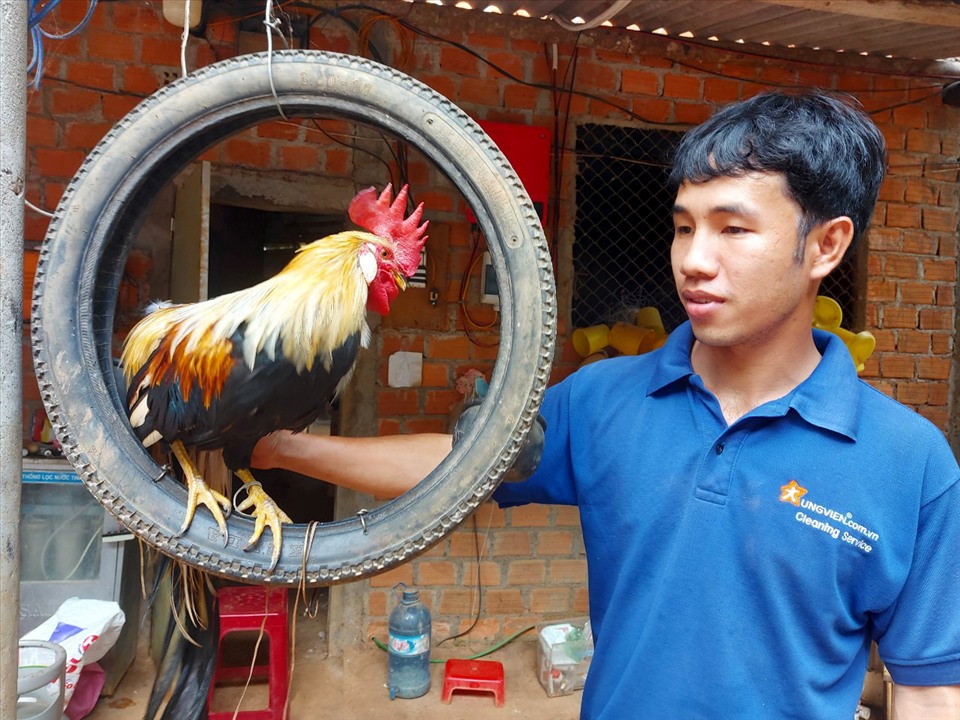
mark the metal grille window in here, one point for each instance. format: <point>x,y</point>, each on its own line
<point>624,227</point>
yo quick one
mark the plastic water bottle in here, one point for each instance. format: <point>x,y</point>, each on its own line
<point>408,651</point>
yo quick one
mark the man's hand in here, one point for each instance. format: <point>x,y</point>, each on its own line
<point>926,703</point>
<point>529,456</point>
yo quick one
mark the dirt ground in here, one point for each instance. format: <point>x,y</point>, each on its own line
<point>353,685</point>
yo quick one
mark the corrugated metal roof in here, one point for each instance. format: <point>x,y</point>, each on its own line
<point>915,29</point>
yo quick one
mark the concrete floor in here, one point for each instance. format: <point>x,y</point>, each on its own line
<point>353,685</point>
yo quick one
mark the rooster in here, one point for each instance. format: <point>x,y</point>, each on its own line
<point>224,372</point>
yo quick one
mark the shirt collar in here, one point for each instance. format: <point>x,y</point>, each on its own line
<point>829,398</point>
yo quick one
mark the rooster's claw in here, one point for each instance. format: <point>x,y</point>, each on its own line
<point>266,513</point>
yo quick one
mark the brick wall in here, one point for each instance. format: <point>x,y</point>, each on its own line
<point>532,563</point>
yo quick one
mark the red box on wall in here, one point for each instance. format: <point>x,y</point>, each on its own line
<point>528,149</point>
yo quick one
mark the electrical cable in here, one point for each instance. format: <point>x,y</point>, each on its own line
<point>476,656</point>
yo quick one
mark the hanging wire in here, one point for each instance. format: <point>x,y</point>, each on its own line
<point>183,38</point>
<point>271,25</point>
<point>35,16</point>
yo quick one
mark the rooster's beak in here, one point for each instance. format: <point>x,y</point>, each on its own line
<point>400,280</point>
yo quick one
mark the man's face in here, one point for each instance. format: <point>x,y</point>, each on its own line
<point>740,272</point>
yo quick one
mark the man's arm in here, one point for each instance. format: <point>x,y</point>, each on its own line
<point>384,466</point>
<point>926,703</point>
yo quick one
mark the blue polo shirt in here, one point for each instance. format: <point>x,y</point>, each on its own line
<point>741,571</point>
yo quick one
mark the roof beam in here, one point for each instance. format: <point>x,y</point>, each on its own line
<point>940,13</point>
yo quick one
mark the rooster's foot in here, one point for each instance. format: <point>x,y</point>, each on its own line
<point>266,513</point>
<point>198,493</point>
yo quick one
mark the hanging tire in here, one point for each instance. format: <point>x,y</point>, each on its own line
<point>82,259</point>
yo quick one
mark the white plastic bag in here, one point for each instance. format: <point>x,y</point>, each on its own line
<point>86,629</point>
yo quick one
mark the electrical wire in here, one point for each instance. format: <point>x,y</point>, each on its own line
<point>37,34</point>
<point>475,656</point>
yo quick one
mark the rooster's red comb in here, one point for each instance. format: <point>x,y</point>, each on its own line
<point>383,218</point>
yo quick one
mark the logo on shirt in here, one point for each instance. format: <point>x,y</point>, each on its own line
<point>838,525</point>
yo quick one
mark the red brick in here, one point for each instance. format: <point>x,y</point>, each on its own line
<point>512,543</point>
<point>899,317</point>
<point>912,393</point>
<point>239,151</point>
<point>932,368</point>
<point>398,402</point>
<point>881,290</point>
<point>436,573</point>
<point>526,572</point>
<point>377,603</point>
<point>936,319</point>
<point>568,571</point>
<point>85,135</point>
<point>508,61</point>
<point>691,113</point>
<point>163,51</point>
<point>140,80</point>
<point>74,101</point>
<point>915,293</point>
<point>652,110</point>
<point>522,97</point>
<point>440,402</point>
<point>435,375</point>
<point>892,189</point>
<point>58,163</point>
<point>426,425</point>
<point>721,90</point>
<point>910,116</point>
<point>906,216</point>
<point>938,417</point>
<point>939,220</point>
<point>530,516</point>
<point>581,601</point>
<point>550,600</point>
<point>919,243</point>
<point>458,62</point>
<point>455,347</point>
<point>337,161</point>
<point>943,270</point>
<point>901,266</point>
<point>41,132</point>
<point>567,515</point>
<point>639,82</point>
<point>938,393</point>
<point>458,602</point>
<point>401,573</point>
<point>913,342</point>
<point>481,92</point>
<point>923,141</point>
<point>490,515</point>
<point>554,543</point>
<point>106,45</point>
<point>140,18</point>
<point>682,86</point>
<point>503,601</point>
<point>897,366</point>
<point>302,157</point>
<point>388,426</point>
<point>117,106</point>
<point>91,74</point>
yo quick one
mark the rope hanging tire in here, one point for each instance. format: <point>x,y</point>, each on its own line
<point>81,264</point>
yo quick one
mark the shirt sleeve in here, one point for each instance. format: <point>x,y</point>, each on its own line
<point>919,636</point>
<point>553,482</point>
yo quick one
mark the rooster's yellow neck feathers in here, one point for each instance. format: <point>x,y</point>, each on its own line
<point>311,307</point>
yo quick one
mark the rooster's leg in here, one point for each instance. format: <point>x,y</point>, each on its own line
<point>198,492</point>
<point>266,512</point>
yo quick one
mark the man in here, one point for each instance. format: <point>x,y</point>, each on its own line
<point>753,514</point>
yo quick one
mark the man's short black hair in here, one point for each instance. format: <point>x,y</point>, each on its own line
<point>831,155</point>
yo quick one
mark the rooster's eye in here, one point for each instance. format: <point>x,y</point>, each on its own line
<point>384,253</point>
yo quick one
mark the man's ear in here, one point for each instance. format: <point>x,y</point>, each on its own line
<point>829,242</point>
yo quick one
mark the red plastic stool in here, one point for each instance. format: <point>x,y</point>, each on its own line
<point>479,675</point>
<point>244,608</point>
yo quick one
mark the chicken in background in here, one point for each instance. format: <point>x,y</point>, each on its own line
<point>225,372</point>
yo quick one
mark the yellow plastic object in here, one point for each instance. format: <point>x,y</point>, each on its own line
<point>827,315</point>
<point>631,340</point>
<point>649,317</point>
<point>589,340</point>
